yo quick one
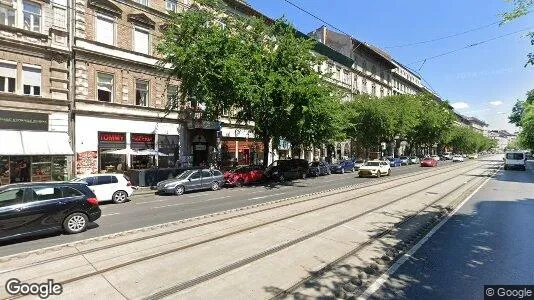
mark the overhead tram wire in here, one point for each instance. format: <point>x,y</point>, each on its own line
<point>469,46</point>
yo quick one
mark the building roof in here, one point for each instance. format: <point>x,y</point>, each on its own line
<point>477,121</point>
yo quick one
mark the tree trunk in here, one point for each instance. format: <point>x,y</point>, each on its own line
<point>266,151</point>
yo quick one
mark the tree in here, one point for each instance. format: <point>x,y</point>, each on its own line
<point>519,108</point>
<point>263,72</point>
<point>434,121</point>
<point>521,8</point>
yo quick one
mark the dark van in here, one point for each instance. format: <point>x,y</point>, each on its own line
<point>282,170</point>
<point>31,208</point>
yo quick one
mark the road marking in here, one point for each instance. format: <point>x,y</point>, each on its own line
<point>110,215</point>
<point>382,279</point>
<point>176,204</point>
<point>147,202</point>
<point>266,196</point>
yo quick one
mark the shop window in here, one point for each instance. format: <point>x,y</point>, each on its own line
<point>168,144</point>
<point>7,15</point>
<point>141,93</point>
<point>141,40</point>
<point>4,170</point>
<point>105,29</point>
<point>143,2</point>
<point>32,16</point>
<point>31,80</point>
<point>41,168</point>
<point>104,84</point>
<point>19,169</point>
<point>8,75</point>
<point>59,168</point>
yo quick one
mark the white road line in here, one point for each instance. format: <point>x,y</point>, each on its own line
<point>153,201</point>
<point>266,196</point>
<point>113,214</point>
<point>382,279</point>
<point>170,205</point>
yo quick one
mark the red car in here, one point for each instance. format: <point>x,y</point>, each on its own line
<point>429,162</point>
<point>242,175</point>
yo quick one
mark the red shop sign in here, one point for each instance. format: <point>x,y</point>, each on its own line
<point>111,137</point>
<point>142,138</point>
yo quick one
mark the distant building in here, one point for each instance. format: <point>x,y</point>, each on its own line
<point>502,137</point>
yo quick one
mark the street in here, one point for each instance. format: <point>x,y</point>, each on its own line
<point>487,242</point>
<point>264,250</point>
<point>148,210</point>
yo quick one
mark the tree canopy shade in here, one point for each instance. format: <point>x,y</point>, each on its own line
<point>263,72</point>
<point>466,140</point>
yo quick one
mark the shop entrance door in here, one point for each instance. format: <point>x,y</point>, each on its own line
<point>20,169</point>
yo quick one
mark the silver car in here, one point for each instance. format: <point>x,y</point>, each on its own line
<point>192,180</point>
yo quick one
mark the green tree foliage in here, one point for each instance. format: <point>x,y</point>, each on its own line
<point>520,9</point>
<point>519,108</point>
<point>264,72</point>
<point>466,140</point>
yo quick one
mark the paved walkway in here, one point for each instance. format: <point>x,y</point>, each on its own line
<point>490,240</point>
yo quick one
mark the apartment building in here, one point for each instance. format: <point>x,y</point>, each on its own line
<point>405,81</point>
<point>121,95</point>
<point>34,106</point>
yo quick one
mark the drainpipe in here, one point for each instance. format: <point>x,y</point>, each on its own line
<point>71,8</point>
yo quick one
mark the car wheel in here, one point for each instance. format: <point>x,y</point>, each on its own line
<point>378,174</point>
<point>75,223</point>
<point>281,178</point>
<point>353,170</point>
<point>215,186</point>
<point>303,176</point>
<point>342,171</point>
<point>179,190</point>
<point>239,183</point>
<point>119,197</point>
<point>389,172</point>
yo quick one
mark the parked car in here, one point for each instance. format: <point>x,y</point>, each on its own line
<point>394,161</point>
<point>192,180</point>
<point>429,162</point>
<point>457,158</point>
<point>473,156</point>
<point>405,160</point>
<point>358,163</point>
<point>375,168</point>
<point>242,175</point>
<point>515,160</point>
<point>447,155</point>
<point>31,208</point>
<point>414,160</point>
<point>281,170</point>
<point>435,157</point>
<point>318,168</point>
<point>343,166</point>
<point>114,187</point>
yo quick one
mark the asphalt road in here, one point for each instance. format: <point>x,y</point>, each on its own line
<point>148,210</point>
<point>489,241</point>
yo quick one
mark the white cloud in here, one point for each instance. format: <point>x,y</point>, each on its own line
<point>495,103</point>
<point>460,105</point>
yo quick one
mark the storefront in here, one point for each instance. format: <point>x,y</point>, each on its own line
<point>105,145</point>
<point>242,151</point>
<point>35,147</point>
<point>204,146</point>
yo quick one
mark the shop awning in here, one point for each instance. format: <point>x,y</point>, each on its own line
<point>13,142</point>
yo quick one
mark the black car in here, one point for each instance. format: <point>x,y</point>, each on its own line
<point>319,168</point>
<point>282,170</point>
<point>30,208</point>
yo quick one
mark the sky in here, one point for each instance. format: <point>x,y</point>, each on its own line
<point>483,81</point>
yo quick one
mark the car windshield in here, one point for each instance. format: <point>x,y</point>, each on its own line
<point>515,156</point>
<point>372,163</point>
<point>185,174</point>
<point>359,161</point>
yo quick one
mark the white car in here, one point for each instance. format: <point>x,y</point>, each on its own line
<point>457,158</point>
<point>435,157</point>
<point>115,187</point>
<point>375,168</point>
<point>473,156</point>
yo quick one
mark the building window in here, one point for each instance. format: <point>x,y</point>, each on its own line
<point>31,80</point>
<point>141,92</point>
<point>32,16</point>
<point>144,2</point>
<point>8,76</point>
<point>105,29</point>
<point>364,65</point>
<point>171,5</point>
<point>373,89</point>
<point>141,40</point>
<point>364,85</point>
<point>104,83</point>
<point>7,15</point>
<point>172,96</point>
<point>373,69</point>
